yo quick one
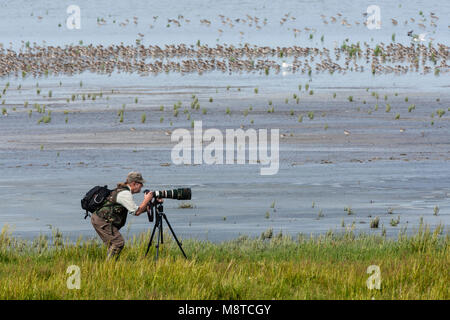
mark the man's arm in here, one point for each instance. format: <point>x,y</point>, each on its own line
<point>126,199</point>
<point>143,207</point>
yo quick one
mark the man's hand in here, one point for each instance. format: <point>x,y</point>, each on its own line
<point>148,197</point>
<point>143,207</point>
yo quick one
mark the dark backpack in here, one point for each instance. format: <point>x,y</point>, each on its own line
<point>94,199</point>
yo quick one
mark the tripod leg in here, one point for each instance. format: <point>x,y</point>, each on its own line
<point>162,231</point>
<point>151,238</point>
<point>175,237</point>
<point>159,237</point>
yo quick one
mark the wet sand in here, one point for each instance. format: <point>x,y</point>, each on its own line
<point>382,165</point>
<point>342,154</point>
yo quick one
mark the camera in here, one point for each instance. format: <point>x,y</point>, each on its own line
<point>177,194</point>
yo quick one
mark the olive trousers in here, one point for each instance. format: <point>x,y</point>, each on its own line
<point>109,234</point>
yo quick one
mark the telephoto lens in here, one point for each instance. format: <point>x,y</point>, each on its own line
<point>177,194</point>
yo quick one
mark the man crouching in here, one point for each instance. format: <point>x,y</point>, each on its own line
<point>112,216</point>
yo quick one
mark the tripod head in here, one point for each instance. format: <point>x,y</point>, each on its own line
<point>151,209</point>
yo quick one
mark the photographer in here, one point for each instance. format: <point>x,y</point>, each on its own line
<point>112,216</point>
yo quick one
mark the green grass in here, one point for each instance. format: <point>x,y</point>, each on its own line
<point>436,210</point>
<point>440,112</point>
<point>374,223</point>
<point>186,205</point>
<point>320,214</point>
<point>45,119</point>
<point>348,210</point>
<point>395,222</point>
<point>273,266</point>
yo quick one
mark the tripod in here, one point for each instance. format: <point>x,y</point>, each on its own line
<point>159,215</point>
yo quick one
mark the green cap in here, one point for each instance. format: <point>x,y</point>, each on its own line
<point>135,177</point>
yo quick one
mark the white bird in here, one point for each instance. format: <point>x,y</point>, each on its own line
<point>420,37</point>
<point>346,132</point>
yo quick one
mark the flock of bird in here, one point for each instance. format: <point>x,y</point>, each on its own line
<point>258,23</point>
<point>71,59</point>
<point>394,57</point>
<point>250,21</point>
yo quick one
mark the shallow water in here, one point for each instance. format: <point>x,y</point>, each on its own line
<point>372,170</point>
<point>383,170</point>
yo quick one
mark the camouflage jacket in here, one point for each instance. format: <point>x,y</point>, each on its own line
<point>113,212</point>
